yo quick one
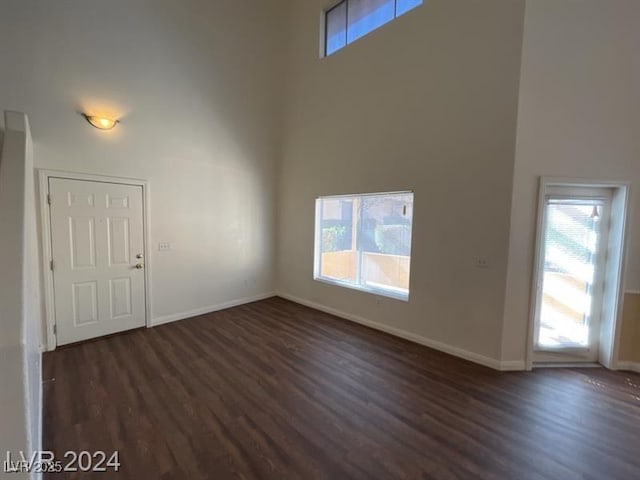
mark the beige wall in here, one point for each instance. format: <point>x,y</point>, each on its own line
<point>636,342</point>
<point>197,86</point>
<point>578,117</point>
<point>630,337</point>
<point>428,103</point>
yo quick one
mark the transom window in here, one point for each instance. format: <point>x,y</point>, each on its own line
<point>364,242</point>
<point>351,19</point>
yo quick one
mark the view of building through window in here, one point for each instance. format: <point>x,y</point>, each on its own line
<point>364,242</point>
<point>351,19</point>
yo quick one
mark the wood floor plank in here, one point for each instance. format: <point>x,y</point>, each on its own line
<point>275,390</point>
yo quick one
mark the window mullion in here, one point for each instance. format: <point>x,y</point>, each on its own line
<point>359,241</point>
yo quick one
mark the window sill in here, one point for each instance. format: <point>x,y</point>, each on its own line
<point>396,294</point>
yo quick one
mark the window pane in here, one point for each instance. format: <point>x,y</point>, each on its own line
<point>385,241</point>
<point>336,24</point>
<point>336,236</point>
<point>367,15</point>
<point>403,6</point>
<point>364,241</point>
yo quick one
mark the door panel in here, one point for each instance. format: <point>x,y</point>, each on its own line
<point>85,303</point>
<point>119,250</point>
<point>96,234</point>
<point>120,294</point>
<point>82,242</point>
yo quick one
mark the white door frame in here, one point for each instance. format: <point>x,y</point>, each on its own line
<point>45,223</point>
<point>621,191</point>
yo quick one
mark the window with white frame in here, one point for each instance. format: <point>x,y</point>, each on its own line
<point>351,19</point>
<point>364,242</point>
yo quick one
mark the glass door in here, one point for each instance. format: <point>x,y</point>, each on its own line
<point>570,276</point>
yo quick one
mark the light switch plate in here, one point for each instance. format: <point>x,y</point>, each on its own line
<point>164,246</point>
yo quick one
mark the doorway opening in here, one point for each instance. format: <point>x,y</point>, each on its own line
<point>578,273</point>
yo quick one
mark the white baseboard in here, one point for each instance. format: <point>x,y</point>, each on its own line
<point>512,366</point>
<point>571,365</point>
<point>631,366</point>
<point>212,308</point>
<point>443,347</point>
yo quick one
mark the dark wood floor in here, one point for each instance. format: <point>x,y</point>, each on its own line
<point>274,390</point>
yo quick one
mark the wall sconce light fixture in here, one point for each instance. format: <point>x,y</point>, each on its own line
<point>101,123</point>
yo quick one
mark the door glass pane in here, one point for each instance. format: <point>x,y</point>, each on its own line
<point>571,247</point>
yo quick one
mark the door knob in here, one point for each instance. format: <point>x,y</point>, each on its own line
<point>139,266</point>
<point>139,256</point>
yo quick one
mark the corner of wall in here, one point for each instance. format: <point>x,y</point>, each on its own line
<point>508,315</point>
<point>20,347</point>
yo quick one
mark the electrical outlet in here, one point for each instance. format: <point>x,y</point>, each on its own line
<point>481,262</point>
<point>164,246</point>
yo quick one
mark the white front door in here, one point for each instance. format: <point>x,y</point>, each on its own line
<point>98,258</point>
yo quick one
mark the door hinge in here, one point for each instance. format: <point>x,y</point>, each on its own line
<point>55,329</point>
<point>51,265</point>
<point>49,198</point>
